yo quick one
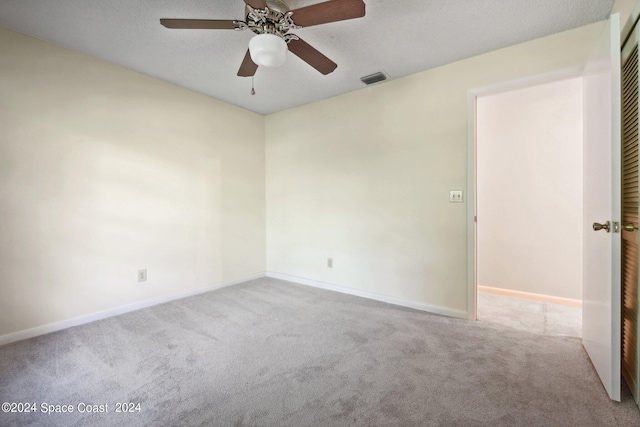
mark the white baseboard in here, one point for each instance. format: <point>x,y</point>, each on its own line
<point>371,295</point>
<point>81,320</point>
<point>531,296</point>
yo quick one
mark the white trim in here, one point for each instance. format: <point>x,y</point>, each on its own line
<point>472,95</point>
<point>552,76</point>
<point>370,295</point>
<point>530,295</point>
<point>472,303</point>
<point>81,320</point>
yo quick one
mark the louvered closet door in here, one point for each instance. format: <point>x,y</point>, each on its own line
<point>630,353</point>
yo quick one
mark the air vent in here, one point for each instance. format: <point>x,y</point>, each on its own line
<point>374,78</point>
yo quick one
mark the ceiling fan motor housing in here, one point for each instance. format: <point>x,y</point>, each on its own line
<point>274,19</point>
<point>278,5</point>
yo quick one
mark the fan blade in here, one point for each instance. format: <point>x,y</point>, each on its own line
<point>248,67</point>
<point>330,11</point>
<point>200,24</point>
<point>256,4</point>
<point>311,56</point>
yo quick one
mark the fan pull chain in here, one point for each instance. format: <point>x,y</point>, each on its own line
<point>253,91</point>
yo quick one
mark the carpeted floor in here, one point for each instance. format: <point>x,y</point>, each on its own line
<point>530,316</point>
<point>272,353</point>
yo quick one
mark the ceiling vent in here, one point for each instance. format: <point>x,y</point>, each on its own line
<point>374,78</point>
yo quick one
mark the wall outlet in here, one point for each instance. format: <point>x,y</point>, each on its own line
<point>455,196</point>
<point>142,275</point>
<point>330,262</point>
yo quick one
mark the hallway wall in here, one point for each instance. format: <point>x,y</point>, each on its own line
<point>529,178</point>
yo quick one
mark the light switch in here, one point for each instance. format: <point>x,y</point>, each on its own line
<point>455,196</point>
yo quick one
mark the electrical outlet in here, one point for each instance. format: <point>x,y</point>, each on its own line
<point>330,262</point>
<point>142,275</point>
<point>455,196</point>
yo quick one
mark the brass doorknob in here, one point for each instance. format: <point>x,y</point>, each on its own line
<point>598,226</point>
<point>629,227</point>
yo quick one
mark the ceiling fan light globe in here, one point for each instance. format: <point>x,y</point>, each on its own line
<point>268,50</point>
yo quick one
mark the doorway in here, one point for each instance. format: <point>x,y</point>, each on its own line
<point>528,183</point>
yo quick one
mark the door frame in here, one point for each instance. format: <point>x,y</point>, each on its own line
<point>472,95</point>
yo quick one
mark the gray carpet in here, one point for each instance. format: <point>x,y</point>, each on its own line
<point>272,353</point>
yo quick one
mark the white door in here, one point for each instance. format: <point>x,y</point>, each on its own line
<point>601,288</point>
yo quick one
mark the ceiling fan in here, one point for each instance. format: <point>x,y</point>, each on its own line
<point>272,20</point>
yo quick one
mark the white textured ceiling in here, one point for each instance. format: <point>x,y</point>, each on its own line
<point>399,37</point>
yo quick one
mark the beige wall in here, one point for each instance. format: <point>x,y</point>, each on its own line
<point>104,171</point>
<point>624,8</point>
<point>529,189</point>
<point>364,177</point>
